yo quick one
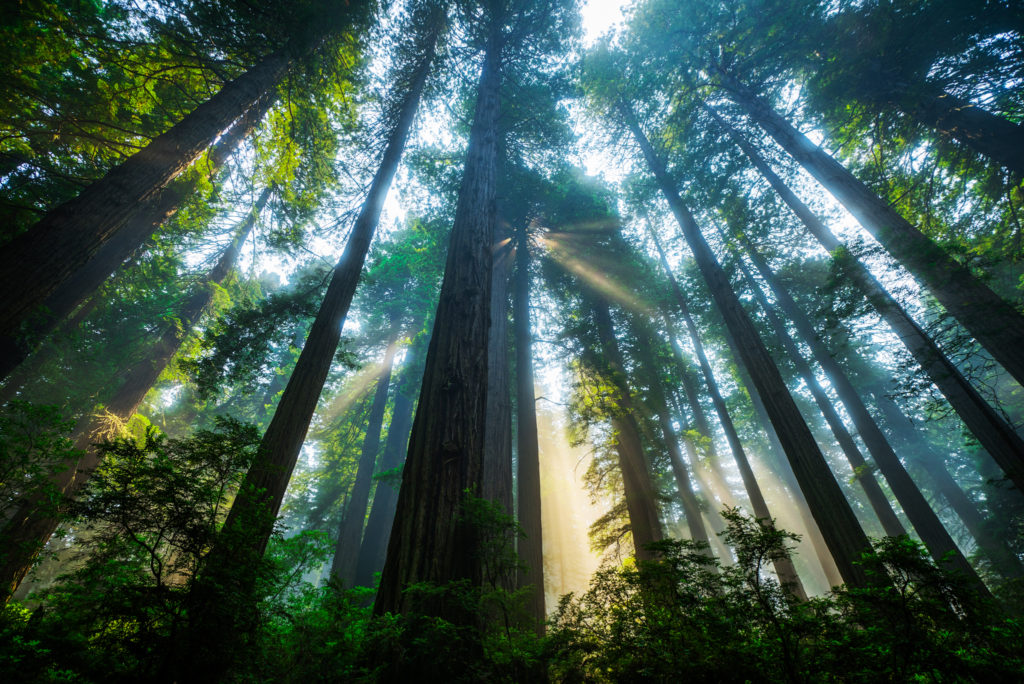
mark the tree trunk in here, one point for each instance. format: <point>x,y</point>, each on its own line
<point>986,133</point>
<point>990,429</point>
<point>994,547</point>
<point>385,496</point>
<point>846,540</point>
<point>83,282</point>
<point>27,532</point>
<point>993,322</point>
<point>264,486</point>
<point>784,566</point>
<point>641,497</point>
<point>431,541</point>
<point>346,553</point>
<point>531,545</point>
<point>497,485</point>
<point>928,526</point>
<point>862,470</point>
<point>36,262</point>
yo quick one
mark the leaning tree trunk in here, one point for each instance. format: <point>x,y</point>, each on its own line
<point>25,533</point>
<point>346,552</point>
<point>891,524</point>
<point>497,484</point>
<point>35,263</point>
<point>431,540</point>
<point>385,496</point>
<point>1001,441</point>
<point>531,545</point>
<point>927,524</point>
<point>641,497</point>
<point>836,520</point>
<point>125,241</point>
<point>986,133</point>
<point>993,321</point>
<point>994,547</point>
<point>264,486</point>
<point>784,567</point>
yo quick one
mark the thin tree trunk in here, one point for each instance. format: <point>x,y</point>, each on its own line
<point>497,485</point>
<point>34,264</point>
<point>862,470</point>
<point>431,541</point>
<point>986,133</point>
<point>531,545</point>
<point>346,552</point>
<point>846,540</point>
<point>264,486</point>
<point>385,496</point>
<point>990,429</point>
<point>125,241</point>
<point>636,476</point>
<point>994,547</point>
<point>27,531</point>
<point>778,460</point>
<point>783,566</point>
<point>993,321</point>
<point>926,523</point>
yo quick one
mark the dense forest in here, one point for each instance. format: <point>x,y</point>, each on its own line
<point>512,341</point>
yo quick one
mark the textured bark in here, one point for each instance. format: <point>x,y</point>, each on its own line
<point>926,523</point>
<point>988,427</point>
<point>783,566</point>
<point>35,263</point>
<point>836,520</point>
<point>346,551</point>
<point>993,321</point>
<point>265,483</point>
<point>127,240</point>
<point>640,494</point>
<point>991,135</point>
<point>385,496</point>
<point>430,540</point>
<point>531,545</point>
<point>26,532</point>
<point>891,524</point>
<point>497,485</point>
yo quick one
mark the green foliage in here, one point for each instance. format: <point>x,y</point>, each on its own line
<point>682,617</point>
<point>33,447</point>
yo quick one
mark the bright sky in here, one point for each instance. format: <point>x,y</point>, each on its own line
<point>599,16</point>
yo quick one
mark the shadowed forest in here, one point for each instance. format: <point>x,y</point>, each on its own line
<point>512,341</point>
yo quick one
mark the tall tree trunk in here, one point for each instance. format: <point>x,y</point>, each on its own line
<point>993,321</point>
<point>497,485</point>
<point>988,427</point>
<point>891,524</point>
<point>986,133</point>
<point>531,545</point>
<point>346,553</point>
<point>382,512</point>
<point>128,239</point>
<point>641,497</point>
<point>431,541</point>
<point>28,530</point>
<point>926,523</point>
<point>265,483</point>
<point>36,262</point>
<point>846,540</point>
<point>691,509</point>
<point>783,566</point>
<point>994,547</point>
<point>777,460</point>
